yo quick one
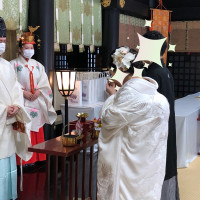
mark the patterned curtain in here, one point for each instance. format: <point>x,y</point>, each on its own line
<point>78,22</point>
<point>179,36</point>
<point>193,39</point>
<point>161,23</point>
<point>62,21</point>
<point>186,36</point>
<point>128,29</point>
<point>87,22</point>
<point>15,13</point>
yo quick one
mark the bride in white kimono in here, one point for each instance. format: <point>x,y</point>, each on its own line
<point>133,142</point>
<point>38,95</point>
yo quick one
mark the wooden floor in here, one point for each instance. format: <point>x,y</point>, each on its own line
<point>189,181</point>
<point>33,184</point>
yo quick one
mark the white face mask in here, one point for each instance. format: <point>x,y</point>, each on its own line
<point>2,48</point>
<point>28,53</point>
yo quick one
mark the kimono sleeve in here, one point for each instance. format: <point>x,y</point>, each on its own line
<point>3,116</point>
<point>47,97</point>
<point>13,65</point>
<point>115,114</point>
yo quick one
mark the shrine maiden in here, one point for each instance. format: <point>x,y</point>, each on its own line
<point>133,140</point>
<point>36,89</point>
<point>11,111</point>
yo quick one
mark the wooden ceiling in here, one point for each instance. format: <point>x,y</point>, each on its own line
<point>181,3</point>
<point>182,9</point>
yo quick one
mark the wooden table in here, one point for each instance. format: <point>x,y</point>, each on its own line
<point>55,148</point>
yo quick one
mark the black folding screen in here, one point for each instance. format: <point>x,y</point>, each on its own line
<point>186,72</point>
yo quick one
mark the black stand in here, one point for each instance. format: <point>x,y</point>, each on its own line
<point>66,115</point>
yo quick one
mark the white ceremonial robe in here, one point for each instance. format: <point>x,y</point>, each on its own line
<point>133,143</point>
<point>41,110</point>
<point>12,142</point>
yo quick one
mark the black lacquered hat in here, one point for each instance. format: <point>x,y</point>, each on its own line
<point>2,28</point>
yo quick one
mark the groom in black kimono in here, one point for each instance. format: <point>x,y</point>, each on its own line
<point>165,81</point>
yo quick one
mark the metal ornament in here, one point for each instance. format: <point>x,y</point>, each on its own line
<point>122,3</point>
<point>105,3</point>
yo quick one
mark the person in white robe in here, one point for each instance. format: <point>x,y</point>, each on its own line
<point>37,92</point>
<point>11,111</point>
<point>133,142</point>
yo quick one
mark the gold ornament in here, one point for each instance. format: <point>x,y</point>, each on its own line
<point>87,8</point>
<point>63,5</point>
<point>11,24</point>
<point>122,3</point>
<point>97,36</point>
<point>33,29</point>
<point>105,3</point>
<point>76,33</point>
<point>84,115</point>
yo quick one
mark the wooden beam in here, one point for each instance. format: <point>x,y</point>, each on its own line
<point>185,14</point>
<point>136,8</point>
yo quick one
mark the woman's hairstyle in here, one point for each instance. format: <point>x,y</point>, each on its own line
<point>20,44</point>
<point>130,70</point>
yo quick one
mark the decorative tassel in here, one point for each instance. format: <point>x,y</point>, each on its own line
<point>170,28</point>
<point>69,48</point>
<point>81,48</point>
<point>32,82</point>
<point>151,28</point>
<point>31,78</point>
<point>92,49</point>
<point>56,47</point>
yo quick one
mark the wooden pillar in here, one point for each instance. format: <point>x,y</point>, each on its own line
<point>110,25</point>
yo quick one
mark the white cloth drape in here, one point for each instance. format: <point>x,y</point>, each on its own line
<point>133,142</point>
<point>187,129</point>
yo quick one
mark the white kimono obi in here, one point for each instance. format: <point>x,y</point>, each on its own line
<point>12,142</point>
<point>41,110</point>
<point>133,143</point>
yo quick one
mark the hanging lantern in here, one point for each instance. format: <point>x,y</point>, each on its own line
<point>66,82</point>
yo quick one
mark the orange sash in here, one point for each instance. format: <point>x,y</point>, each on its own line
<point>31,79</point>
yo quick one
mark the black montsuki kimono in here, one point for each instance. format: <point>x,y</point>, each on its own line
<point>166,87</point>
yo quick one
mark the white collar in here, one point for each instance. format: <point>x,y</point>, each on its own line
<point>23,60</point>
<point>143,85</point>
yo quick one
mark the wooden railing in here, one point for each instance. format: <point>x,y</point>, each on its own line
<point>54,148</point>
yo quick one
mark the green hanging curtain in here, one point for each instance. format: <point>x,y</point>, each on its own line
<point>97,31</point>
<point>78,22</point>
<point>55,23</point>
<point>62,21</point>
<point>87,14</point>
<point>15,13</point>
<point>24,4</point>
